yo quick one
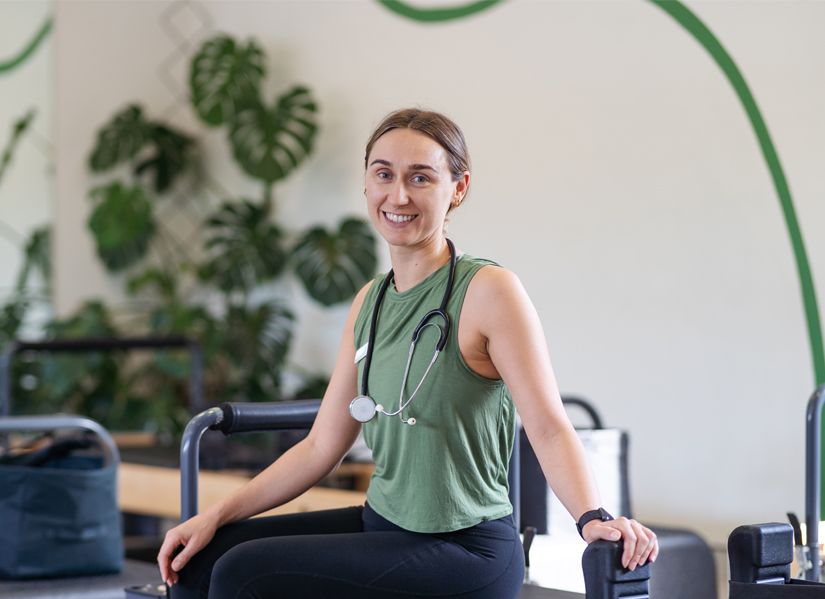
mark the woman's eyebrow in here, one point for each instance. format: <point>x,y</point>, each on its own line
<point>413,167</point>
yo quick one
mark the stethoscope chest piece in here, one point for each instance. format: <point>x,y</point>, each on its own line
<point>362,408</point>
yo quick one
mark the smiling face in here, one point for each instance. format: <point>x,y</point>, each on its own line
<point>410,188</point>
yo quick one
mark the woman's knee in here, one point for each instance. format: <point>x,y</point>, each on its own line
<point>234,569</point>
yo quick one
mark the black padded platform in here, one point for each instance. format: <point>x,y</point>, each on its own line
<point>87,587</point>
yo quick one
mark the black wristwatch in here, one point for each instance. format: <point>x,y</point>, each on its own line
<point>599,514</point>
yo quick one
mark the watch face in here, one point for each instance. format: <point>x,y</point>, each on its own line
<point>362,408</point>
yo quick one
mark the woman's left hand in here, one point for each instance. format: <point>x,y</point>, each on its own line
<point>640,543</point>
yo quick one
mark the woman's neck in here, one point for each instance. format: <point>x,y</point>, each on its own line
<point>412,265</point>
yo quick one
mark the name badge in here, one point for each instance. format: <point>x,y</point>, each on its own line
<point>361,353</point>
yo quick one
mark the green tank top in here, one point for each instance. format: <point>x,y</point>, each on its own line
<point>449,470</point>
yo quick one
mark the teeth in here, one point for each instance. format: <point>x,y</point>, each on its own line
<point>399,218</point>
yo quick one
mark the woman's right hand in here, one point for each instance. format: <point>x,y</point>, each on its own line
<point>193,535</point>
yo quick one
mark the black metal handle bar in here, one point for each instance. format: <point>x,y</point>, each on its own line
<point>585,405</point>
<point>90,344</point>
<point>235,418</point>
<point>813,478</point>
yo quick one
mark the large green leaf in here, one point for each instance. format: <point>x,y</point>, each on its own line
<point>120,139</point>
<point>122,224</point>
<point>257,341</point>
<point>37,258</point>
<point>245,245</point>
<point>169,156</point>
<point>92,319</point>
<point>163,281</point>
<point>333,266</point>
<point>12,314</point>
<point>223,77</point>
<point>79,383</point>
<point>269,144</point>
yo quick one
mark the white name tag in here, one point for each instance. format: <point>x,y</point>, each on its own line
<point>361,353</point>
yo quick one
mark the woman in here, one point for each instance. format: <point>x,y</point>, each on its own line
<point>437,520</point>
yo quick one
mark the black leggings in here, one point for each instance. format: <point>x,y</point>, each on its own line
<point>353,552</point>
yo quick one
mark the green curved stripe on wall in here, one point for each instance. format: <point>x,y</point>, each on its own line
<point>703,35</point>
<point>444,13</point>
<point>16,61</point>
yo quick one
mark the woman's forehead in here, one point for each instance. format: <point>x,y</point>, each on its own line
<point>405,147</point>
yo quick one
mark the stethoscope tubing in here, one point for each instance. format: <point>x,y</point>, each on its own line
<point>441,311</point>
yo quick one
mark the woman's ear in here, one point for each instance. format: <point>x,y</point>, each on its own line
<point>461,187</point>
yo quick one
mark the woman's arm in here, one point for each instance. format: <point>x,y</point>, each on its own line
<point>517,347</point>
<point>297,470</point>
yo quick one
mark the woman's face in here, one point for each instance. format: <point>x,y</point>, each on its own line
<point>409,187</point>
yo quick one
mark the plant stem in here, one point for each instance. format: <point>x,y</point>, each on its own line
<point>17,133</point>
<point>268,198</point>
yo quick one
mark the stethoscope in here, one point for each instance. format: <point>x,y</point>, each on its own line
<point>363,408</point>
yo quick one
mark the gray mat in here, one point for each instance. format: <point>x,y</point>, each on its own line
<point>533,592</point>
<point>87,587</point>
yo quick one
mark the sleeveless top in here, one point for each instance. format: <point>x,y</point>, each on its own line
<point>449,470</point>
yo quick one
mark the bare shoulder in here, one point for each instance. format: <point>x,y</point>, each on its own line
<point>494,297</point>
<point>494,284</point>
<point>358,301</point>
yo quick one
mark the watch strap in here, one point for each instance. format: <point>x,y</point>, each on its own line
<point>597,514</point>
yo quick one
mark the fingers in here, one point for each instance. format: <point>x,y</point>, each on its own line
<point>163,556</point>
<point>643,545</point>
<point>629,538</point>
<point>654,551</point>
<point>171,545</point>
<point>182,558</point>
<point>640,543</point>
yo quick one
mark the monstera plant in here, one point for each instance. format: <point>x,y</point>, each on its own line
<point>36,253</point>
<point>214,285</point>
<point>244,246</point>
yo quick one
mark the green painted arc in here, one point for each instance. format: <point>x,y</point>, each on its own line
<point>705,37</point>
<point>689,21</point>
<point>442,13</point>
<point>26,53</point>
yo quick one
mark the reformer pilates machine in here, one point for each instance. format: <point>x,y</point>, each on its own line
<point>604,576</point>
<point>760,555</point>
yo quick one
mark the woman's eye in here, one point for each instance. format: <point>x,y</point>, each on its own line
<point>419,179</point>
<point>382,175</point>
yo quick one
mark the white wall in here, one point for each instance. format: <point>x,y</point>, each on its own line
<point>26,191</point>
<point>614,171</point>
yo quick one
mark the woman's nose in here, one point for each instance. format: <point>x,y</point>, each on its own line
<point>398,194</point>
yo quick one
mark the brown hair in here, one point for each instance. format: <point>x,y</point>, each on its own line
<point>433,124</point>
